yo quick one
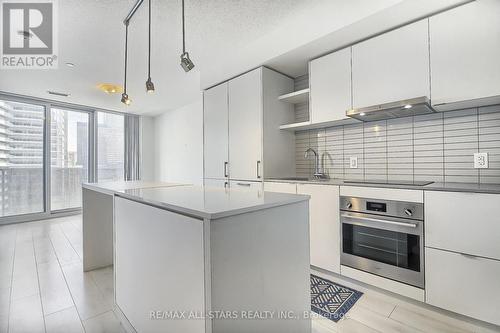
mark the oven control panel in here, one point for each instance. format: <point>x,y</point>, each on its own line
<point>376,206</point>
<point>403,209</point>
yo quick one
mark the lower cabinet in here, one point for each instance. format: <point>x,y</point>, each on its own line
<point>209,182</point>
<point>464,284</point>
<point>324,226</point>
<point>245,184</point>
<point>280,187</point>
<point>463,222</point>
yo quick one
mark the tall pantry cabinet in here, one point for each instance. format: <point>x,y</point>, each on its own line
<point>242,139</point>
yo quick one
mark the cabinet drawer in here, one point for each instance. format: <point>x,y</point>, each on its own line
<point>463,284</point>
<point>280,187</point>
<point>216,182</point>
<point>463,222</point>
<point>245,185</point>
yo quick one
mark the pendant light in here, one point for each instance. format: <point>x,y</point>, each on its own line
<point>125,99</point>
<point>186,63</point>
<point>150,87</point>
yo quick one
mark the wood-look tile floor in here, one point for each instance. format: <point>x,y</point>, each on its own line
<point>42,284</point>
<point>44,289</point>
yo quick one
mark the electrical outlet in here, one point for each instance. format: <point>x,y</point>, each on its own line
<point>353,162</point>
<point>480,160</point>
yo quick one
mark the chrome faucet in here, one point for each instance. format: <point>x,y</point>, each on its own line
<point>317,172</point>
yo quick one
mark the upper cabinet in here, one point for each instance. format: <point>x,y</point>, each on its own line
<point>215,120</point>
<point>465,52</point>
<point>330,83</point>
<point>391,67</point>
<point>245,126</point>
<point>241,128</point>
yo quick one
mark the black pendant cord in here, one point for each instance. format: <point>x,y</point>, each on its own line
<point>126,55</point>
<point>149,46</point>
<point>183,30</point>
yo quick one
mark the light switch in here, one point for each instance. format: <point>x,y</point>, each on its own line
<point>353,162</point>
<point>480,160</point>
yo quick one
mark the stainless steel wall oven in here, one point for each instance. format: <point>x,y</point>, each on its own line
<point>383,237</point>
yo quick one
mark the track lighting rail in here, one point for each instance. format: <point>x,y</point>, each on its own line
<point>138,4</point>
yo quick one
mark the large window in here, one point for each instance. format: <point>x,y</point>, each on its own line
<point>110,146</point>
<point>69,157</point>
<point>48,149</point>
<point>21,158</point>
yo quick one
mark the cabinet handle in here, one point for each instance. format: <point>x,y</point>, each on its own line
<point>244,184</point>
<point>368,219</point>
<point>225,170</point>
<point>258,168</point>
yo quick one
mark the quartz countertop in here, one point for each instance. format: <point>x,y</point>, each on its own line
<point>116,186</point>
<point>438,186</point>
<point>210,202</point>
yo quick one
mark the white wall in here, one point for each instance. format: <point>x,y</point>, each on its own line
<point>147,148</point>
<point>179,144</point>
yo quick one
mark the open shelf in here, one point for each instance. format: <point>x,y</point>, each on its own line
<point>295,126</point>
<point>307,125</point>
<point>296,97</point>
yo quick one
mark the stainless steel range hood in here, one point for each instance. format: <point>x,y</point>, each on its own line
<point>405,108</point>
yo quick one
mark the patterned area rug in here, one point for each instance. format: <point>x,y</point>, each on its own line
<point>331,300</point>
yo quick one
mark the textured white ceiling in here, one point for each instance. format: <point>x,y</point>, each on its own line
<point>224,38</point>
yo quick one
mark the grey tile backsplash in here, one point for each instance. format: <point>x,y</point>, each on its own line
<point>436,147</point>
<point>301,109</point>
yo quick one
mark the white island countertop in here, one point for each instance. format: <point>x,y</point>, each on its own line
<point>116,186</point>
<point>210,202</point>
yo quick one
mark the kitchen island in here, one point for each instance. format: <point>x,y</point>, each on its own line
<point>199,259</point>
<point>98,200</point>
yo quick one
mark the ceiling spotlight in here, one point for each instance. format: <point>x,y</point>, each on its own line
<point>408,106</point>
<point>150,87</point>
<point>186,63</point>
<point>362,114</point>
<point>70,64</point>
<point>125,99</point>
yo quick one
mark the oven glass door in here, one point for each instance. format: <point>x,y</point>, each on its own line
<point>390,247</point>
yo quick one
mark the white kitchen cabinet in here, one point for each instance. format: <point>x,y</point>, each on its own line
<point>391,67</point>
<point>215,120</point>
<point>245,126</point>
<point>330,84</point>
<point>241,125</point>
<point>465,52</point>
<point>463,222</point>
<point>245,185</point>
<point>278,146</point>
<point>324,225</point>
<point>463,284</point>
<point>208,182</point>
<point>280,187</point>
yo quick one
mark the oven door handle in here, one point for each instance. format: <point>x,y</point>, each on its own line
<point>369,219</point>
